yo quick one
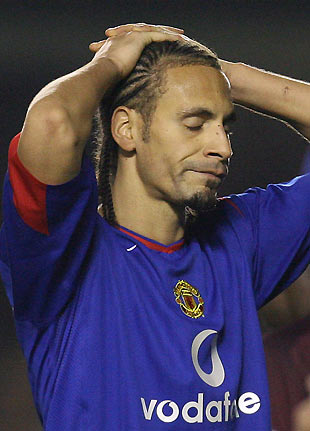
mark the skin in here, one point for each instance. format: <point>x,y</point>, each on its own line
<point>159,178</point>
<point>301,413</point>
<point>59,119</point>
<point>156,179</point>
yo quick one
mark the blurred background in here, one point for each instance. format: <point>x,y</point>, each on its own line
<point>42,40</point>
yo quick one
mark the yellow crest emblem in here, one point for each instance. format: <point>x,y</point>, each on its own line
<point>185,296</point>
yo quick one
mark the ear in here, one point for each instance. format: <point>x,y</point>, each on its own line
<point>122,128</point>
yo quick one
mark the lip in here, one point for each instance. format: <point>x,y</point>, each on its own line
<point>214,174</point>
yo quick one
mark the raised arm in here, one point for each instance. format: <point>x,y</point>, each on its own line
<point>278,96</point>
<point>59,119</point>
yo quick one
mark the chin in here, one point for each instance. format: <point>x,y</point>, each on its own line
<point>202,201</point>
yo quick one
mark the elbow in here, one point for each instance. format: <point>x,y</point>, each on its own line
<point>51,121</point>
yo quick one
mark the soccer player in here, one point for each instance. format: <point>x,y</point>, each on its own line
<point>141,315</point>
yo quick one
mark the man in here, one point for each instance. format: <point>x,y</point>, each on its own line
<point>143,317</point>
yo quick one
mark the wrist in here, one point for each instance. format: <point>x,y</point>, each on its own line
<point>233,71</point>
<point>105,74</point>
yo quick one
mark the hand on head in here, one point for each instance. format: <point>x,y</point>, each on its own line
<point>125,43</point>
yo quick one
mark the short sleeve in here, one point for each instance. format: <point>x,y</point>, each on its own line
<point>279,218</point>
<point>45,238</point>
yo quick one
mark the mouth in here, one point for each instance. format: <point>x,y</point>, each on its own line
<point>217,176</point>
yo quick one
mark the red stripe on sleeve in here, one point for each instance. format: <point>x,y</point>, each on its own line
<point>29,194</point>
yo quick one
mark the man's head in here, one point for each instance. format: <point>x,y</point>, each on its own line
<point>170,115</point>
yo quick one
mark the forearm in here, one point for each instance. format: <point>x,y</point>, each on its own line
<point>278,96</point>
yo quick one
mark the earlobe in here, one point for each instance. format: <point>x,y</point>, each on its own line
<point>121,128</point>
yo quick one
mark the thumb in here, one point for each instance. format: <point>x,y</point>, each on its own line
<point>95,46</point>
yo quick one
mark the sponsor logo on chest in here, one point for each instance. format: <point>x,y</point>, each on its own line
<point>200,409</point>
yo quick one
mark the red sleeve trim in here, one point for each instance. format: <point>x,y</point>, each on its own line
<point>29,194</point>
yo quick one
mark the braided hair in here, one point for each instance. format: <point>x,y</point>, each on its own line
<point>140,90</point>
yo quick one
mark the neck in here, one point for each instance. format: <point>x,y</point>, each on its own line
<point>153,218</point>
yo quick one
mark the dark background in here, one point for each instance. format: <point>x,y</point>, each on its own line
<point>41,40</point>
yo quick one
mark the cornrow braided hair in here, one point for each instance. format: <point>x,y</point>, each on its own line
<point>140,91</point>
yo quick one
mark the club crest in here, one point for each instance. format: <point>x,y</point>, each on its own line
<point>189,299</point>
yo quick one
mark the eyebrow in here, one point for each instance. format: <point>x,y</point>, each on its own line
<point>204,112</point>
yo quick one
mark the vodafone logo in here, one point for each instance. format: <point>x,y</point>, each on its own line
<point>217,375</point>
<point>197,411</point>
<point>214,411</point>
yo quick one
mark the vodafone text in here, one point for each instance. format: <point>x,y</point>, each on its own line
<point>214,411</point>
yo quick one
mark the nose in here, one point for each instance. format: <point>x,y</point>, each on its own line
<point>218,143</point>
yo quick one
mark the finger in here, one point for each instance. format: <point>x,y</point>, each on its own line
<point>95,46</point>
<point>113,31</point>
<point>157,36</point>
<point>151,27</point>
<point>174,29</point>
<point>140,27</point>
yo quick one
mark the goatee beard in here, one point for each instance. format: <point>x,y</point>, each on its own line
<point>201,202</point>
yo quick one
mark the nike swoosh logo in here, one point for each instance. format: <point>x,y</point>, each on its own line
<point>131,248</point>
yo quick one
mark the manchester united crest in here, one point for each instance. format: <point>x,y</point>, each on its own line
<point>189,299</point>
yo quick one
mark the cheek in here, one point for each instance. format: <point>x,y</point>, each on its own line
<point>158,170</point>
<point>153,165</point>
<point>160,159</point>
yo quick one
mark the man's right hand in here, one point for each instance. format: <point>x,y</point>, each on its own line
<point>125,43</point>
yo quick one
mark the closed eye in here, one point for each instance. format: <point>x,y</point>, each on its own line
<point>194,128</point>
<point>197,128</point>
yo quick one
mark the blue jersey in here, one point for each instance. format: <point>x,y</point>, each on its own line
<point>122,333</point>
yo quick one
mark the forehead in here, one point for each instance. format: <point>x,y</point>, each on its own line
<point>193,86</point>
